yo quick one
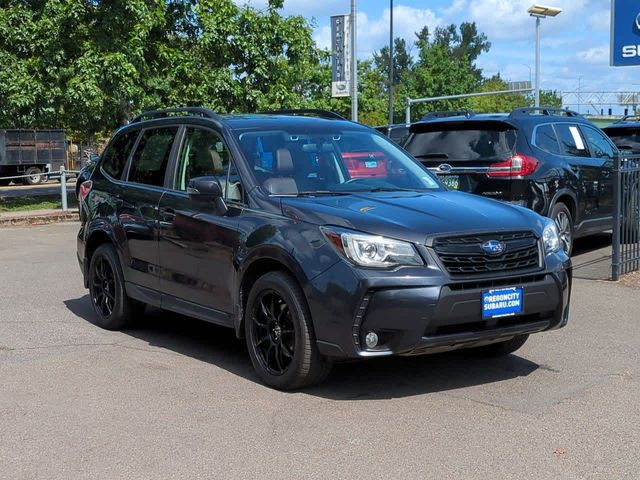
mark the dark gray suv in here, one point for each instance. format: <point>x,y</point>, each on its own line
<point>316,239</point>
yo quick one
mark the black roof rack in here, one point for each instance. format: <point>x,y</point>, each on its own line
<point>166,112</point>
<point>318,112</point>
<point>524,112</point>
<point>448,113</point>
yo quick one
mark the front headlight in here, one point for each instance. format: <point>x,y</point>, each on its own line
<point>371,250</point>
<point>550,238</point>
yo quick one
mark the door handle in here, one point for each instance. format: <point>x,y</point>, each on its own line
<point>168,214</point>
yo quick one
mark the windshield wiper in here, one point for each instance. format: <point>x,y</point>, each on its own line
<point>387,189</point>
<point>318,193</point>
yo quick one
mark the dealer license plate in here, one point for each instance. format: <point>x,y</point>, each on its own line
<point>502,302</point>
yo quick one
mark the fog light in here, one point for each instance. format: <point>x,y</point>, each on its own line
<point>371,339</point>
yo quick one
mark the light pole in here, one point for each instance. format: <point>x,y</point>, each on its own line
<point>539,12</point>
<point>390,62</point>
<point>354,64</point>
<point>579,92</point>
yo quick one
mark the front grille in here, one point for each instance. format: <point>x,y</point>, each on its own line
<point>464,255</point>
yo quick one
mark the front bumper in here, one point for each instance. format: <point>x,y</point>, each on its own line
<point>416,314</point>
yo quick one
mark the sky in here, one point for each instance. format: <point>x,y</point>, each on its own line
<point>574,45</point>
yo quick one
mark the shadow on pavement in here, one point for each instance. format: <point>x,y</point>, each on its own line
<point>374,379</point>
<point>592,257</point>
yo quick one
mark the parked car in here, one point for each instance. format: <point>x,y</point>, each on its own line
<point>255,223</point>
<point>32,153</point>
<point>625,134</point>
<point>552,161</point>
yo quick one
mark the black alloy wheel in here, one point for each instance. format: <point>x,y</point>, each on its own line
<point>103,287</point>
<point>274,333</point>
<point>280,336</point>
<point>114,309</point>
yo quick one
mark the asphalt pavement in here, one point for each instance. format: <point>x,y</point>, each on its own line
<point>177,398</point>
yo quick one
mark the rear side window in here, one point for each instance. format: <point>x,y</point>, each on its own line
<point>571,141</point>
<point>463,144</point>
<point>546,139</point>
<point>150,160</point>
<point>116,155</point>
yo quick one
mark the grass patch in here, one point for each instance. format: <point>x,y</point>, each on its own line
<point>41,202</point>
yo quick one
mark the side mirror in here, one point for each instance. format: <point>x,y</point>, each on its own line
<point>207,189</point>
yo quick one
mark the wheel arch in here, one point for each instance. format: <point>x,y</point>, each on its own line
<point>568,198</point>
<point>263,261</point>
<point>95,238</point>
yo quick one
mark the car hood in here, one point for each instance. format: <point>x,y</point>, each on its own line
<point>413,216</point>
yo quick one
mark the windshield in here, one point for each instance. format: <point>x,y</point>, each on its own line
<point>331,162</point>
<point>463,144</point>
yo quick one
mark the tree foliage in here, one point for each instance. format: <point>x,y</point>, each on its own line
<point>89,65</point>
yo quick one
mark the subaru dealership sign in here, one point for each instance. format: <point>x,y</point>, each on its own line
<point>625,32</point>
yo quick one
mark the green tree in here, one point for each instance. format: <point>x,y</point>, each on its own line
<point>499,102</point>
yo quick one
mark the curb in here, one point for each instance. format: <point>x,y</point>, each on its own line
<point>38,219</point>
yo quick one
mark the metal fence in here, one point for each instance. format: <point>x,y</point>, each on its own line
<point>626,227</point>
<point>62,175</point>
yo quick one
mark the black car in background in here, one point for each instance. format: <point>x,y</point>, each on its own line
<point>625,134</point>
<point>552,161</point>
<point>316,239</point>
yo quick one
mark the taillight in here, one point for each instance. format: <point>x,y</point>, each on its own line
<point>516,166</point>
<point>85,188</point>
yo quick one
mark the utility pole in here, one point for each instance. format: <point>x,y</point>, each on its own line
<point>391,62</point>
<point>354,64</point>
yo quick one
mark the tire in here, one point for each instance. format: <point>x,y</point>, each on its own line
<point>561,215</point>
<point>113,308</point>
<point>4,183</point>
<point>501,349</point>
<point>35,176</point>
<point>280,336</point>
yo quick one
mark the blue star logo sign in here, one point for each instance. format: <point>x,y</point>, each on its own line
<point>494,247</point>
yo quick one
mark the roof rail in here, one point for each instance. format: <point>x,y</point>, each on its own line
<point>195,111</point>
<point>627,118</point>
<point>307,111</point>
<point>448,113</point>
<point>523,112</point>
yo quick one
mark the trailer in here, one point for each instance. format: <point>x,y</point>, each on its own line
<point>31,152</point>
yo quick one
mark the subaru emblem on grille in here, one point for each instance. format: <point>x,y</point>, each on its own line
<point>494,247</point>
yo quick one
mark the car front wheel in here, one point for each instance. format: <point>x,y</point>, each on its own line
<point>280,336</point>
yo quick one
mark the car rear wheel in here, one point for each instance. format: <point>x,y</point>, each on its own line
<point>35,176</point>
<point>501,349</point>
<point>280,336</point>
<point>113,308</point>
<point>561,215</point>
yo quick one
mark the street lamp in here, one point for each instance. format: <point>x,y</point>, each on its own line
<point>390,62</point>
<point>538,12</point>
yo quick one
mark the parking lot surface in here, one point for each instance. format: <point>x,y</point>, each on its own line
<point>177,398</point>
